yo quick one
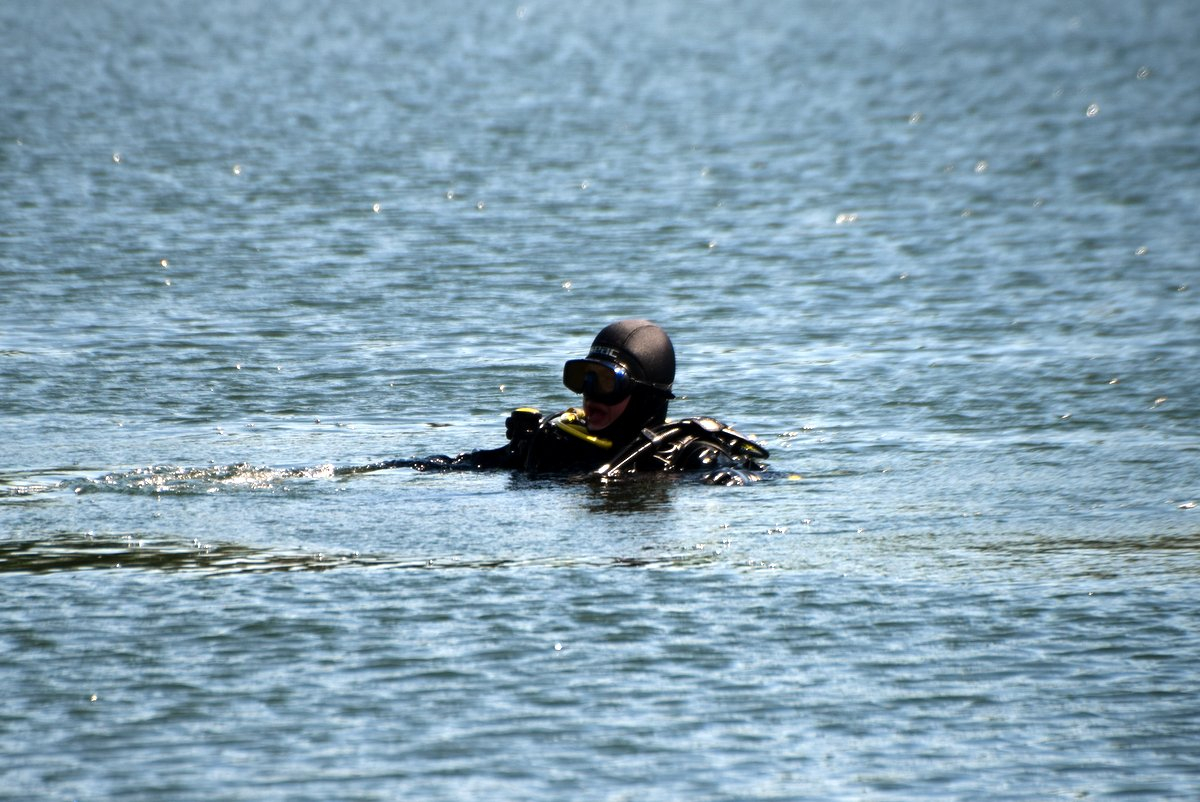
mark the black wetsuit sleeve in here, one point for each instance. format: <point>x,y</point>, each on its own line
<point>491,459</point>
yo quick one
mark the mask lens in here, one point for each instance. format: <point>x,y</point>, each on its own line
<point>599,383</point>
<point>597,380</point>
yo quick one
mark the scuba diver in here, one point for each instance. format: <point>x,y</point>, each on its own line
<point>621,429</point>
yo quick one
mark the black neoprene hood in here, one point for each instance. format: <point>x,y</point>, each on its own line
<point>642,347</point>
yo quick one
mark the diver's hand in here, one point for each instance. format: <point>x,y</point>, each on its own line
<point>522,423</point>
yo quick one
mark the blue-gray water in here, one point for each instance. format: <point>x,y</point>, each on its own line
<point>941,257</point>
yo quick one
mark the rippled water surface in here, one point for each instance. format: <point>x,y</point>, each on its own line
<point>940,257</point>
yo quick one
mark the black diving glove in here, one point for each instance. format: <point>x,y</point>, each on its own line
<point>522,423</point>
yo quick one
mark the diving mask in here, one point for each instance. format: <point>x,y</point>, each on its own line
<point>599,380</point>
<point>605,382</point>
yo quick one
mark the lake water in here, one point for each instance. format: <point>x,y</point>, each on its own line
<point>940,257</point>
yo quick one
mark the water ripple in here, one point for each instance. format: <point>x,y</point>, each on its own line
<point>90,552</point>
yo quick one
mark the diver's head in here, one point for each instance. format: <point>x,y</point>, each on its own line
<point>625,379</point>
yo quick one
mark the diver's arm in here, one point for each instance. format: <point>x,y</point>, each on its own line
<point>438,462</point>
<point>490,459</point>
<point>520,427</point>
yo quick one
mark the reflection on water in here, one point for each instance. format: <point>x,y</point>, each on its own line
<point>630,495</point>
<point>74,552</point>
<point>633,496</point>
<point>1113,557</point>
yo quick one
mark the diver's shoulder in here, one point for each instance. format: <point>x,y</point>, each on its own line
<point>688,444</point>
<point>705,429</point>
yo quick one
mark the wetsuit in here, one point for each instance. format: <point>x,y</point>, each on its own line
<point>561,444</point>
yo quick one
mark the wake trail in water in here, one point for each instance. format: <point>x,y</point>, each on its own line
<point>163,479</point>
